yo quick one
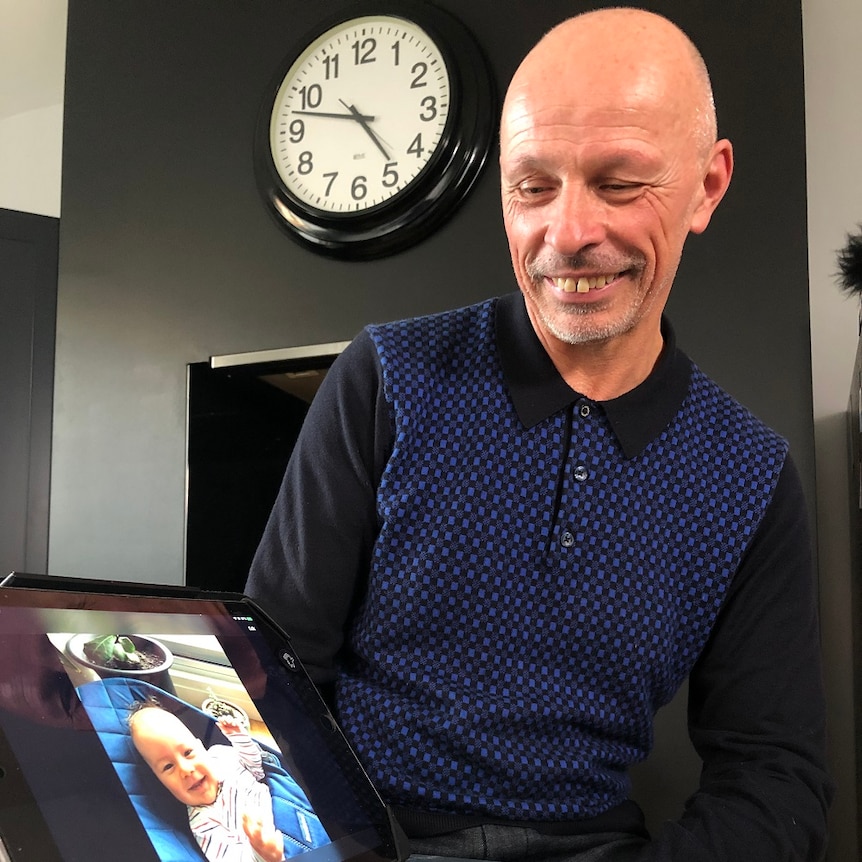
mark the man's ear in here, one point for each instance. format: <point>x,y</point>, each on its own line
<point>716,179</point>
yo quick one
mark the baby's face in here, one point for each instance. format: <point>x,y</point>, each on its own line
<point>178,759</point>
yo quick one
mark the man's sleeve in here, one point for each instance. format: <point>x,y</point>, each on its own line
<point>312,562</point>
<point>757,714</point>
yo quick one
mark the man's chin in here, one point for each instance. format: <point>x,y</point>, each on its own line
<point>583,327</point>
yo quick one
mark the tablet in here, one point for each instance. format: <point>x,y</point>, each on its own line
<point>78,658</point>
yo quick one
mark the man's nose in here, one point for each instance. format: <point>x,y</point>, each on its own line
<point>577,220</point>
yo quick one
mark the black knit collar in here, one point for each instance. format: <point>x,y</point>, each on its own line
<point>538,391</point>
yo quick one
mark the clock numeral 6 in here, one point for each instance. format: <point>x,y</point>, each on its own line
<point>358,188</point>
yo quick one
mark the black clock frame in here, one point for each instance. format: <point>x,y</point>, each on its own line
<point>439,188</point>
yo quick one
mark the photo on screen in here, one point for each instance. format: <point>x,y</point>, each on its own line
<point>214,759</point>
<point>106,698</point>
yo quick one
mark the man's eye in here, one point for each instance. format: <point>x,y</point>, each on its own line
<point>619,188</point>
<point>532,189</point>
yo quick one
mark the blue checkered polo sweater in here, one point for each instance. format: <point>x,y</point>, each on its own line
<point>534,596</point>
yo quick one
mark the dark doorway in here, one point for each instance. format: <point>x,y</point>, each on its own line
<point>245,412</point>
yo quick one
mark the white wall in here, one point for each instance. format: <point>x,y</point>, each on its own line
<point>833,78</point>
<point>32,66</point>
<point>32,51</point>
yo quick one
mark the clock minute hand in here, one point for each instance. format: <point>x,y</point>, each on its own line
<point>363,121</point>
<point>360,117</point>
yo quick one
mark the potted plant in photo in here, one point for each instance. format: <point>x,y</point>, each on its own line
<point>218,707</point>
<point>128,655</point>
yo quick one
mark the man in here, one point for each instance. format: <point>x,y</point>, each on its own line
<point>510,532</point>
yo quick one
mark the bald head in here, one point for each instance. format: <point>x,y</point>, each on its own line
<point>625,57</point>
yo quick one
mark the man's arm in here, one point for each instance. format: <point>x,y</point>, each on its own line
<point>312,562</point>
<point>756,709</point>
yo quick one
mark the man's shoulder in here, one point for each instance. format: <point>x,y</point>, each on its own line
<point>430,338</point>
<point>439,320</point>
<point>711,402</point>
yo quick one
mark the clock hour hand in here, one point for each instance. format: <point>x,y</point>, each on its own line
<point>363,121</point>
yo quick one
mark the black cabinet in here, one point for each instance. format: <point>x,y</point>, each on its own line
<point>28,301</point>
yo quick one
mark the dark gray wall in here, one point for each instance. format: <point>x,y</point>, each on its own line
<point>167,255</point>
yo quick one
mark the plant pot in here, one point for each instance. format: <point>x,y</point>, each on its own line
<point>218,707</point>
<point>157,674</point>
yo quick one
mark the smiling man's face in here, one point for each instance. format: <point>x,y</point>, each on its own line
<point>608,161</point>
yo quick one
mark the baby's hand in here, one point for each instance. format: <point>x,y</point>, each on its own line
<point>229,725</point>
<point>264,838</point>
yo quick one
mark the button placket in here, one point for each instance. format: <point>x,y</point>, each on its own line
<point>580,473</point>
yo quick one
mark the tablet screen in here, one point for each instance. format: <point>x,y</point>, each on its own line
<point>167,727</point>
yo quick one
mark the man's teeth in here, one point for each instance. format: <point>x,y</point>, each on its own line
<point>583,285</point>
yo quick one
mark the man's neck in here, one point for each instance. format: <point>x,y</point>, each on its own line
<point>605,370</point>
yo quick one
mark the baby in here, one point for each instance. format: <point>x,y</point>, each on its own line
<point>229,804</point>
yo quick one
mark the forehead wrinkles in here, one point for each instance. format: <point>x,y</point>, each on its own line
<point>626,131</point>
<point>575,121</point>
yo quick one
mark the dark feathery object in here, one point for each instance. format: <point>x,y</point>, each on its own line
<point>850,264</point>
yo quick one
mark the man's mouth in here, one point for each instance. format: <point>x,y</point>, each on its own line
<point>584,284</point>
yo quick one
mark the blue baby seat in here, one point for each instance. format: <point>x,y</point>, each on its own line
<point>107,702</point>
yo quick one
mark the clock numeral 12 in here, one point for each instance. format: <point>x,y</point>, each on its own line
<point>369,46</point>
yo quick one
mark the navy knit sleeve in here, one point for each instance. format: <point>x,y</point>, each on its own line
<point>312,561</point>
<point>756,709</point>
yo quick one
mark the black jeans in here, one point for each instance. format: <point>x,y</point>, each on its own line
<point>520,844</point>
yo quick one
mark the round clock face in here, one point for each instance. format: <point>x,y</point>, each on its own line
<point>359,114</point>
<point>376,128</point>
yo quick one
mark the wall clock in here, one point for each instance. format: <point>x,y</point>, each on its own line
<point>375,129</point>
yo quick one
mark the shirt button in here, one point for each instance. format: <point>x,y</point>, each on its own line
<point>567,539</point>
<point>584,410</point>
<point>580,473</point>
